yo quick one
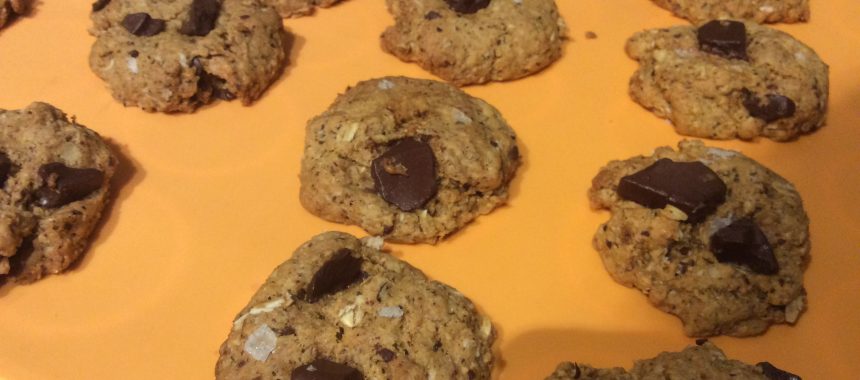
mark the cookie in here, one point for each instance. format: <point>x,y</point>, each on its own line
<point>175,56</point>
<point>476,41</point>
<point>9,9</point>
<point>341,309</point>
<point>706,234</point>
<point>54,179</point>
<point>760,11</point>
<point>730,79</point>
<point>408,159</point>
<point>298,8</point>
<point>702,361</point>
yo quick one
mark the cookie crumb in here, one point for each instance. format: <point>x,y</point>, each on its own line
<point>590,35</point>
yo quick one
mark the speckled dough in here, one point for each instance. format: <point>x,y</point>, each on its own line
<point>239,58</point>
<point>507,40</point>
<point>475,150</point>
<point>756,10</point>
<point>702,94</point>
<point>393,324</point>
<point>671,262</point>
<point>298,8</point>
<point>36,241</point>
<point>9,9</point>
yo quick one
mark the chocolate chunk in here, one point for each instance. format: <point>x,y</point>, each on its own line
<point>701,341</point>
<point>208,84</point>
<point>386,354</point>
<point>5,168</point>
<point>724,38</point>
<point>338,273</point>
<point>100,4</point>
<point>743,243</point>
<point>64,185</point>
<point>405,175</point>
<point>142,25</point>
<point>322,369</point>
<point>432,15</point>
<point>467,6</point>
<point>286,330</point>
<point>774,373</point>
<point>774,107</point>
<point>201,18</point>
<point>691,187</point>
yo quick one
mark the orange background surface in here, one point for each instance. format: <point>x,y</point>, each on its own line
<point>206,205</point>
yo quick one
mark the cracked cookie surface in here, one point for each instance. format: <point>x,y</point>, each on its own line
<point>378,316</point>
<point>474,150</point>
<point>9,9</point>
<point>672,261</point>
<point>760,11</point>
<point>177,55</point>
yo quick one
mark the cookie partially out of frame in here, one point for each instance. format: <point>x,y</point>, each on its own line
<point>9,9</point>
<point>177,55</point>
<point>411,160</point>
<point>760,11</point>
<point>54,178</point>
<point>476,41</point>
<point>730,79</point>
<point>298,8</point>
<point>342,309</point>
<point>706,234</point>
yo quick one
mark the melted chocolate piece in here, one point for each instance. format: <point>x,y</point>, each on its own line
<point>338,273</point>
<point>405,175</point>
<point>692,187</point>
<point>210,84</point>
<point>386,354</point>
<point>432,15</point>
<point>724,38</point>
<point>774,373</point>
<point>201,18</point>
<point>142,25</point>
<point>743,243</point>
<point>100,4</point>
<point>774,107</point>
<point>322,369</point>
<point>64,185</point>
<point>5,168</point>
<point>467,6</point>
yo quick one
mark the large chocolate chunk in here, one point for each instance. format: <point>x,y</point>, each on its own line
<point>774,373</point>
<point>322,369</point>
<point>338,273</point>
<point>100,4</point>
<point>5,168</point>
<point>201,18</point>
<point>405,175</point>
<point>724,38</point>
<point>774,106</point>
<point>692,187</point>
<point>142,24</point>
<point>467,6</point>
<point>63,185</point>
<point>743,243</point>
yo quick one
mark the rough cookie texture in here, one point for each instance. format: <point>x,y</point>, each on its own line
<point>152,55</point>
<point>508,39</point>
<point>755,10</point>
<point>389,322</point>
<point>43,231</point>
<point>9,9</point>
<point>475,152</point>
<point>298,8</point>
<point>703,94</point>
<point>671,261</point>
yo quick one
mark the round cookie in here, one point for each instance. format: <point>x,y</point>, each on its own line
<point>728,79</point>
<point>339,305</point>
<point>702,361</point>
<point>411,160</point>
<point>476,41</point>
<point>9,9</point>
<point>759,11</point>
<point>54,178</point>
<point>298,8</point>
<point>176,55</point>
<point>708,235</point>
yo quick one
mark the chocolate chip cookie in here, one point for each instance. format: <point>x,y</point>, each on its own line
<point>298,8</point>
<point>411,160</point>
<point>730,79</point>
<point>702,361</point>
<point>54,177</point>
<point>342,309</point>
<point>708,235</point>
<point>759,11</point>
<point>174,56</point>
<point>9,9</point>
<point>476,41</point>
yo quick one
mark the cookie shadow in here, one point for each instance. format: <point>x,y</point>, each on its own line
<point>32,10</point>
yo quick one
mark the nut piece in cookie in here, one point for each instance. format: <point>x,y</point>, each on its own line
<point>342,309</point>
<point>761,11</point>
<point>733,265</point>
<point>54,179</point>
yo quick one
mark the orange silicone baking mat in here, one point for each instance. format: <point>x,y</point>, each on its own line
<point>206,204</point>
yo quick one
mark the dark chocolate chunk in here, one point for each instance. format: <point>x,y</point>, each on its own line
<point>467,6</point>
<point>322,369</point>
<point>386,354</point>
<point>405,175</point>
<point>134,53</point>
<point>286,330</point>
<point>743,243</point>
<point>5,168</point>
<point>432,15</point>
<point>208,84</point>
<point>774,373</point>
<point>701,341</point>
<point>142,25</point>
<point>773,108</point>
<point>724,38</point>
<point>201,18</point>
<point>64,185</point>
<point>692,187</point>
<point>100,4</point>
<point>338,273</point>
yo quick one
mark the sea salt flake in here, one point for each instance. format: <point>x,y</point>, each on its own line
<point>385,84</point>
<point>132,65</point>
<point>460,116</point>
<point>261,343</point>
<point>391,312</point>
